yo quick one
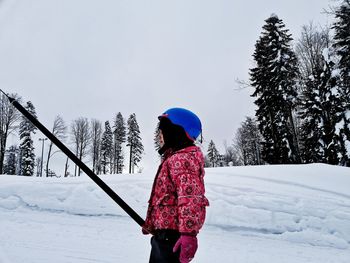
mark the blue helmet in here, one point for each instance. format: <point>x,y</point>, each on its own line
<point>186,119</point>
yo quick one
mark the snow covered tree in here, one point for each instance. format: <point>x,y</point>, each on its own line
<point>213,154</point>
<point>26,147</point>
<point>342,46</point>
<point>119,133</point>
<point>231,157</point>
<point>11,160</point>
<point>134,142</point>
<point>319,109</point>
<point>248,142</point>
<point>9,118</point>
<point>59,129</point>
<point>95,151</point>
<point>106,148</point>
<point>81,139</point>
<point>274,81</point>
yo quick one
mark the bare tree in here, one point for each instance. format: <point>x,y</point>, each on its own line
<point>318,105</point>
<point>9,117</point>
<point>81,139</point>
<point>59,129</point>
<point>248,143</point>
<point>96,135</point>
<point>309,50</point>
<point>231,156</point>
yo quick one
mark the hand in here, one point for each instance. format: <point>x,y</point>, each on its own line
<point>188,246</point>
<point>146,231</point>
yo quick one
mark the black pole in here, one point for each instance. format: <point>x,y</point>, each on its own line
<point>79,163</point>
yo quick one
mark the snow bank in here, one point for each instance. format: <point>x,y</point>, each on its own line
<point>308,204</point>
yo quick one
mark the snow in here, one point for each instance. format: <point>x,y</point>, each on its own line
<point>325,54</point>
<point>277,213</point>
<point>335,73</point>
<point>273,15</point>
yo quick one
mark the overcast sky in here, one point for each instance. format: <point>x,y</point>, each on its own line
<point>81,58</point>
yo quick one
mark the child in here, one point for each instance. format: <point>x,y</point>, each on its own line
<point>176,210</point>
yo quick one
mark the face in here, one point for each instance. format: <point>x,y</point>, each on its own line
<point>161,138</point>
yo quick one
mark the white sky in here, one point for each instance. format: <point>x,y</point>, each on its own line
<point>95,58</point>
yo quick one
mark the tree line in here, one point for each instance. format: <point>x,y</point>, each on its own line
<point>102,143</point>
<point>302,96</point>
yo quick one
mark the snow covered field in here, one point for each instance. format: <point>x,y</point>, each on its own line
<point>257,214</point>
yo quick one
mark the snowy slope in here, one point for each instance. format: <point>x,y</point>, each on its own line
<point>257,214</point>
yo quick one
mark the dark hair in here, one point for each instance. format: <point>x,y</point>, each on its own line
<point>175,137</point>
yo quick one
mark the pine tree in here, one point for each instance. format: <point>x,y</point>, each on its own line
<point>26,128</point>
<point>319,109</point>
<point>213,154</point>
<point>119,138</point>
<point>95,151</point>
<point>10,166</point>
<point>106,148</point>
<point>342,46</point>
<point>134,142</point>
<point>274,81</point>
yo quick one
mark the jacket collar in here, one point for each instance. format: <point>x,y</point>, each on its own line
<point>192,148</point>
<point>170,152</point>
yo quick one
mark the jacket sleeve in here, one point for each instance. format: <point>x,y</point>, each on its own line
<point>148,227</point>
<point>187,175</point>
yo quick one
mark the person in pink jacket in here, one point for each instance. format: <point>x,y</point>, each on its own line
<point>177,205</point>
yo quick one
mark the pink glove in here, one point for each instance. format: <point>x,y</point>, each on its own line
<point>188,245</point>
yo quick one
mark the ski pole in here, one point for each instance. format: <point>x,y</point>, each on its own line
<point>76,160</point>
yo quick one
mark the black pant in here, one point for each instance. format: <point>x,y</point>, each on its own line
<point>162,247</point>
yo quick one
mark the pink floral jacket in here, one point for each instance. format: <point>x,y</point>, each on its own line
<point>177,199</point>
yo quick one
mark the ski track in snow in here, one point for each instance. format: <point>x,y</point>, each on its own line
<point>285,213</point>
<point>74,221</point>
<point>288,183</point>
